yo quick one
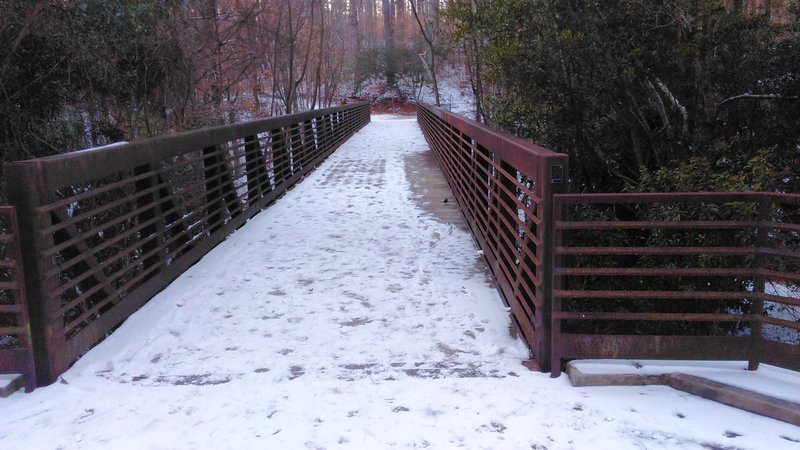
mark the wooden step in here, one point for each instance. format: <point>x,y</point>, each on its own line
<point>10,383</point>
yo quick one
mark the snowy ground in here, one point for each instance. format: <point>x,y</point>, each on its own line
<point>346,316</point>
<point>455,93</point>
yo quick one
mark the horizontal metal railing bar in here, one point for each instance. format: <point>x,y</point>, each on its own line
<point>676,295</point>
<point>660,224</point>
<point>13,331</point>
<point>672,251</point>
<point>654,317</point>
<point>657,272</point>
<point>641,346</point>
<point>782,276</point>
<point>11,309</point>
<point>781,322</point>
<point>676,197</point>
<point>791,301</point>
<point>782,226</point>
<point>657,295</point>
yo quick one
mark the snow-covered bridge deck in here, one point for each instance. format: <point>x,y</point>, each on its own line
<point>354,313</point>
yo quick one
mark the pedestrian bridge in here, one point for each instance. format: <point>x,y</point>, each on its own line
<point>327,241</point>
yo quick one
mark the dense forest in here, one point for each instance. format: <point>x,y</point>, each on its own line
<point>661,95</point>
<point>78,74</point>
<point>644,95</point>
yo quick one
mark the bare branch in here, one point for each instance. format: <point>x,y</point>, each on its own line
<point>432,68</point>
<point>682,109</point>
<point>776,97</point>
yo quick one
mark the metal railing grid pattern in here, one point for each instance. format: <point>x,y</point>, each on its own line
<point>717,267</point>
<point>504,186</point>
<point>109,228</point>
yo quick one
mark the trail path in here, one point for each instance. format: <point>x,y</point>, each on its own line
<point>348,315</point>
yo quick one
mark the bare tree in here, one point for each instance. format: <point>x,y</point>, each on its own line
<point>388,42</point>
<point>426,34</point>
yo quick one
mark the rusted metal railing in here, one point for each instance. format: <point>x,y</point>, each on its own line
<point>651,276</point>
<point>718,268</point>
<point>16,353</point>
<point>504,187</point>
<point>106,229</point>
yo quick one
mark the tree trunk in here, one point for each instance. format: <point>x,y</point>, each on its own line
<point>355,33</point>
<point>429,41</point>
<point>388,43</point>
<point>400,20</point>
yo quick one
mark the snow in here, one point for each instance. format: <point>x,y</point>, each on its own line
<point>768,380</point>
<point>6,380</point>
<point>101,147</point>
<point>345,316</point>
<point>455,93</point>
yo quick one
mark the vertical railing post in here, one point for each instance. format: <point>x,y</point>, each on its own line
<point>172,219</point>
<point>464,156</point>
<point>553,173</point>
<point>308,142</point>
<point>552,302</point>
<point>322,133</point>
<point>149,234</point>
<point>27,190</point>
<point>483,185</point>
<point>280,155</point>
<point>759,281</point>
<point>331,119</point>
<point>211,171</point>
<point>253,164</point>
<point>315,136</point>
<point>220,191</point>
<point>295,147</point>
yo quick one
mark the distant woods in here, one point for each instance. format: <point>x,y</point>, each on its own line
<point>87,73</point>
<point>644,95</point>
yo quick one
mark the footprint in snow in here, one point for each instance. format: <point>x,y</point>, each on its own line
<point>296,372</point>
